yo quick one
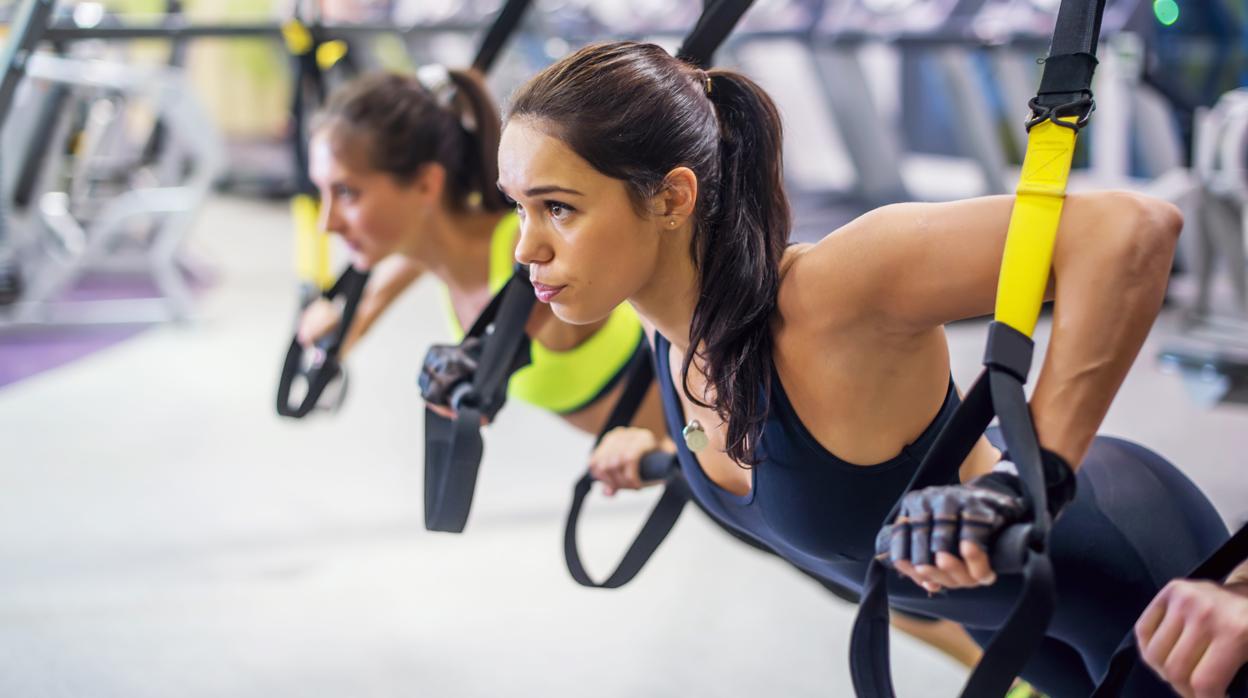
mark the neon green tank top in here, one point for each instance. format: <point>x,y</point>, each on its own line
<point>559,381</point>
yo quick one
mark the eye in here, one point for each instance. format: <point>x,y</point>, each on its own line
<point>559,210</point>
<point>342,191</point>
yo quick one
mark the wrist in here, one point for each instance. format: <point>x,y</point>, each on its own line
<point>1059,478</point>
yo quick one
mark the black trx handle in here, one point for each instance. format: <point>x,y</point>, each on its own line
<point>1215,568</point>
<point>1065,98</point>
<point>655,466</point>
<point>453,448</point>
<point>322,371</point>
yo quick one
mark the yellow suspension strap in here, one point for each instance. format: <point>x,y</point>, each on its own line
<point>315,369</point>
<point>1059,110</point>
<point>312,262</point>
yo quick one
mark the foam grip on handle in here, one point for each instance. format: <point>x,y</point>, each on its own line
<point>1010,549</point>
<point>657,466</point>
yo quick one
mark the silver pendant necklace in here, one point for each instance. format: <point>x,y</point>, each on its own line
<point>695,436</point>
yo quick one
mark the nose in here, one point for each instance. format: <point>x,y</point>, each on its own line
<point>532,247</point>
<point>329,219</point>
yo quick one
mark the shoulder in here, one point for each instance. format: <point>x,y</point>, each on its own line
<point>824,285</point>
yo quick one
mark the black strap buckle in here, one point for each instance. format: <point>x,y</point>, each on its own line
<point>1081,107</point>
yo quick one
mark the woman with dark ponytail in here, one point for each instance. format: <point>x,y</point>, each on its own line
<point>407,170</point>
<point>802,384</point>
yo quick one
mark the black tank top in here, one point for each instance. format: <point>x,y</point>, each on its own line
<point>814,509</point>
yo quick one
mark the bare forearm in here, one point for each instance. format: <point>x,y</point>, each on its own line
<point>388,281</point>
<point>1110,280</point>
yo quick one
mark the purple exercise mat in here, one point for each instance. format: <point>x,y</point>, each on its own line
<point>25,352</point>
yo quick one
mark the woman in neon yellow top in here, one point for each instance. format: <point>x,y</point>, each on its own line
<point>407,173</point>
<point>406,169</point>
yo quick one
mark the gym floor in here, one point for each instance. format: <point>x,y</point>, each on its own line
<point>164,533</point>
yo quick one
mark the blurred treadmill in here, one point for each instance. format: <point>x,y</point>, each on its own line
<point>861,45</point>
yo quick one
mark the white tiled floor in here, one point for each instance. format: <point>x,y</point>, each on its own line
<point>163,533</point>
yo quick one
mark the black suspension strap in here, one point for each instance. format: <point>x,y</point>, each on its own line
<point>717,21</point>
<point>324,367</point>
<point>500,32</point>
<point>453,447</point>
<point>655,466</point>
<point>1060,109</point>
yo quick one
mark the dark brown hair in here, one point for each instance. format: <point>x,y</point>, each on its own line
<point>635,113</point>
<point>406,126</point>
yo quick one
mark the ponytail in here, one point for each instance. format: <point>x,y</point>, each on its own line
<point>479,117</point>
<point>738,260</point>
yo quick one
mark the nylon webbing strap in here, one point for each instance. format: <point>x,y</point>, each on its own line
<point>1059,110</point>
<point>351,287</point>
<point>1216,567</point>
<point>504,26</point>
<point>1078,27</point>
<point>504,342</point>
<point>453,448</point>
<point>711,30</point>
<point>666,511</point>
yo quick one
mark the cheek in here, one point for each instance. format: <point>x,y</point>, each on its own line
<point>377,227</point>
<point>609,262</point>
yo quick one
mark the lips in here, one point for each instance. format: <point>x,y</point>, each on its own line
<point>546,293</point>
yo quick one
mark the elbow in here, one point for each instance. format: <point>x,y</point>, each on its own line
<point>1141,235</point>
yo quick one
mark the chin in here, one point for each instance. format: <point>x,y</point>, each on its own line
<point>362,261</point>
<point>577,313</point>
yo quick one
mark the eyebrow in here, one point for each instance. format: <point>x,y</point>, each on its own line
<point>548,189</point>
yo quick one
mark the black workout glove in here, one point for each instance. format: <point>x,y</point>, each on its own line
<point>937,519</point>
<point>446,367</point>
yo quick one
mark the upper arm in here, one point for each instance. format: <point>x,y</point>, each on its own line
<point>913,266</point>
<point>396,272</point>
